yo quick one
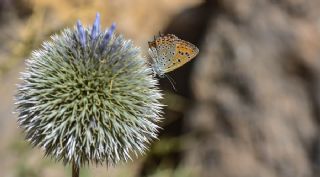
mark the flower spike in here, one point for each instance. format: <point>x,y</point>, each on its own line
<point>81,33</point>
<point>96,27</point>
<point>107,37</point>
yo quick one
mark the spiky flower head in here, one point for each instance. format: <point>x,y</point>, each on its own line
<point>88,96</point>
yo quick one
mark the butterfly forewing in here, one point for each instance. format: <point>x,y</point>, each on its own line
<point>184,52</point>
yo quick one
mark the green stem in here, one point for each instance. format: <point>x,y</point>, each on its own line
<point>75,170</point>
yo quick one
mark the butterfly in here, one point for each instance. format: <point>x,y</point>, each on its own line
<point>168,53</point>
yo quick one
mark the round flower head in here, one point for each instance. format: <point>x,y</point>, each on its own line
<point>88,96</point>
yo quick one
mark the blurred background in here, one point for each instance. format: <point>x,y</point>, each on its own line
<point>247,106</point>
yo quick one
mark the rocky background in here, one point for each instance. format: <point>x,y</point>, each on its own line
<point>247,106</point>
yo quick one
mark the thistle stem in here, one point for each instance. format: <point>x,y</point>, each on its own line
<point>75,170</point>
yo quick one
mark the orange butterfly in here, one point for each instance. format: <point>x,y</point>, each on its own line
<point>168,53</point>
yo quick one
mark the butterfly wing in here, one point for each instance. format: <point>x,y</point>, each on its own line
<point>184,52</point>
<point>165,46</point>
<point>166,51</point>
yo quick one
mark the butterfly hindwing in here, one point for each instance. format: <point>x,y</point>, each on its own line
<point>166,53</point>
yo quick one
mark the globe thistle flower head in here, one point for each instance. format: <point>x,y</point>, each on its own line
<point>88,96</point>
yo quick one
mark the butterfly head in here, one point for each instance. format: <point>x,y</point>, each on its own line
<point>157,70</point>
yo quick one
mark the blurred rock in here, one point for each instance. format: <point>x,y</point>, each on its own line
<point>20,8</point>
<point>256,86</point>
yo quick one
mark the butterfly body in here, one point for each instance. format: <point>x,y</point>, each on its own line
<point>168,53</point>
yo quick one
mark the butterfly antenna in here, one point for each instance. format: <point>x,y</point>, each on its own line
<point>172,82</point>
<point>172,79</point>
